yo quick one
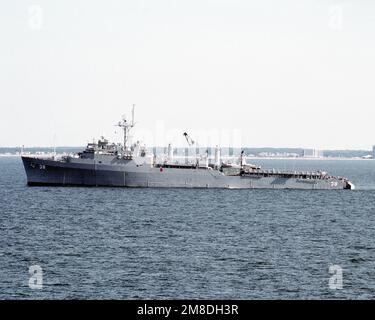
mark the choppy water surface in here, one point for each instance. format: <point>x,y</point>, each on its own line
<point>171,243</point>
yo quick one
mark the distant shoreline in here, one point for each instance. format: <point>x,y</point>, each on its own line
<point>251,152</point>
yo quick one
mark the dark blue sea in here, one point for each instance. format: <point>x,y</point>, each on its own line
<point>113,243</point>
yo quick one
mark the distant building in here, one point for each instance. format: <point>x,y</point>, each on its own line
<point>369,156</point>
<point>313,153</point>
<point>373,152</point>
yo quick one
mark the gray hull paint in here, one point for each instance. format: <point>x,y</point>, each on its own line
<point>124,173</point>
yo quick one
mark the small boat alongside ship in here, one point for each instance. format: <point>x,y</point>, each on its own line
<point>122,165</point>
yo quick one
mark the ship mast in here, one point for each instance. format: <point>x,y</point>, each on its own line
<point>126,127</point>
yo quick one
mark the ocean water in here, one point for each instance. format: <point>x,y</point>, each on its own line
<point>113,243</point>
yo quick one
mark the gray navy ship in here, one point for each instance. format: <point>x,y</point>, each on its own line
<point>122,165</point>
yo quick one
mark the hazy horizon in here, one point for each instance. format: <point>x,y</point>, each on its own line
<point>244,73</point>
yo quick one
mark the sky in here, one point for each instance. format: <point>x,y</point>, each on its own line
<point>292,73</point>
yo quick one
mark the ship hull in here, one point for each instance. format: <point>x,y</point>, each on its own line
<point>41,172</point>
<point>49,172</point>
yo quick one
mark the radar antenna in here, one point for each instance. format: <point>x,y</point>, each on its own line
<point>133,124</point>
<point>126,127</point>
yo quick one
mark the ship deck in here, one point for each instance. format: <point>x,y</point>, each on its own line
<point>288,174</point>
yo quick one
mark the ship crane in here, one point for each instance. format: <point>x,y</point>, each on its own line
<point>198,156</point>
<point>189,140</point>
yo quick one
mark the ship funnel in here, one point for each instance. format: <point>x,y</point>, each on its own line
<point>217,157</point>
<point>137,148</point>
<point>170,152</point>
